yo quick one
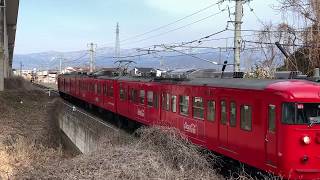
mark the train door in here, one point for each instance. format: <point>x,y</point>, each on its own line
<point>165,105</point>
<point>153,109</point>
<point>133,93</point>
<point>99,93</point>
<point>137,102</point>
<point>123,99</point>
<point>271,134</point>
<point>141,105</point>
<point>77,87</point>
<point>211,121</point>
<point>197,105</point>
<point>223,123</point>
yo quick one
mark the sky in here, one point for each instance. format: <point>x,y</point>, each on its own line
<point>69,25</point>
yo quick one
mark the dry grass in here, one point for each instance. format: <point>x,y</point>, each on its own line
<point>158,154</point>
<point>18,83</point>
<point>28,130</point>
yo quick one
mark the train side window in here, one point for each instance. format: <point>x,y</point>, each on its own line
<point>155,100</point>
<point>211,110</point>
<point>99,89</point>
<point>174,104</point>
<point>166,101</point>
<point>184,105</point>
<point>150,98</point>
<point>198,108</point>
<point>233,114</point>
<point>134,95</point>
<point>122,93</point>
<point>223,112</point>
<point>141,96</point>
<point>272,118</point>
<point>105,89</point>
<point>131,95</point>
<point>96,88</point>
<point>92,87</point>
<point>110,90</point>
<point>163,101</point>
<point>246,117</point>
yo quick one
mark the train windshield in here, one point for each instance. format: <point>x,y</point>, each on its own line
<point>301,113</point>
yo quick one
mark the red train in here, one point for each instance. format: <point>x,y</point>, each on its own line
<point>272,125</point>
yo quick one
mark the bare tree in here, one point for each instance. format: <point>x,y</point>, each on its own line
<point>307,56</point>
<point>270,59</point>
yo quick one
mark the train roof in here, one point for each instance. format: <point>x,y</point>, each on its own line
<point>236,83</point>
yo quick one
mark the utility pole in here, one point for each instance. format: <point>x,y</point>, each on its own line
<point>237,34</point>
<point>2,57</point>
<point>92,47</point>
<point>60,65</point>
<point>21,65</point>
<point>117,45</point>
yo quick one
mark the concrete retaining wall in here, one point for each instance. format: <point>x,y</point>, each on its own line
<point>82,137</point>
<point>82,130</point>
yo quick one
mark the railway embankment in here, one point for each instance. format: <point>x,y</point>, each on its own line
<point>29,134</point>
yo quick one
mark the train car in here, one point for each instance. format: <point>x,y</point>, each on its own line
<point>272,125</point>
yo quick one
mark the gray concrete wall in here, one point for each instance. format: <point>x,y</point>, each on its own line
<point>82,130</point>
<point>84,138</point>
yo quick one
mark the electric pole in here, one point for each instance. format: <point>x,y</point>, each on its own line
<point>21,65</point>
<point>92,47</point>
<point>237,34</point>
<point>60,65</point>
<point>2,58</point>
<point>117,45</point>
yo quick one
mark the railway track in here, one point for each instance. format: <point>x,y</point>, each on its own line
<point>76,107</point>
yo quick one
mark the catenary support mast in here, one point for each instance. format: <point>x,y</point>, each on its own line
<point>237,34</point>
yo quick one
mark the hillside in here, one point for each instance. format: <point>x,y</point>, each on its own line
<point>164,60</point>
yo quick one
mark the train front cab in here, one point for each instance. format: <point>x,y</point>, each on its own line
<point>299,140</point>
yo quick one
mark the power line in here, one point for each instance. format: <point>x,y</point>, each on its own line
<point>205,37</point>
<point>206,60</point>
<point>255,14</point>
<point>123,57</point>
<point>76,59</point>
<point>230,37</point>
<point>181,27</point>
<point>174,22</point>
<point>270,43</point>
<point>270,31</point>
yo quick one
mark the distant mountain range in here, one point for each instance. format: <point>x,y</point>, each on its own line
<point>104,58</point>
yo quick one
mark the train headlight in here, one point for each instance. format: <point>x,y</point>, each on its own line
<point>306,140</point>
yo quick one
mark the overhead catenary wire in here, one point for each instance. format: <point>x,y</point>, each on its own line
<point>206,60</point>
<point>174,22</point>
<point>178,28</point>
<point>273,43</point>
<point>270,31</point>
<point>255,14</point>
<point>76,59</point>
